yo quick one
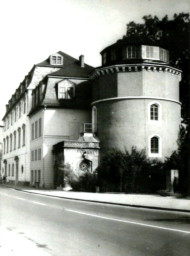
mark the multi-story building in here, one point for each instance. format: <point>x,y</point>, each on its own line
<point>133,99</point>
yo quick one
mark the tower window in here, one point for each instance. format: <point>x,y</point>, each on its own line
<point>154,108</point>
<point>104,58</point>
<point>154,144</point>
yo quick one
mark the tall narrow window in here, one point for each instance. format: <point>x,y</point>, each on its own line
<point>32,131</point>
<point>19,137</point>
<point>24,105</point>
<point>94,119</point>
<point>23,134</point>
<point>19,109</point>
<point>58,60</point>
<point>14,140</point>
<point>53,59</point>
<point>4,146</point>
<point>15,113</point>
<point>36,155</point>
<point>104,58</point>
<point>39,176</point>
<point>9,173</point>
<point>154,112</point>
<point>36,130</point>
<point>12,169</point>
<point>32,176</point>
<point>39,154</point>
<point>11,141</point>
<point>154,144</point>
<point>7,144</point>
<point>40,127</point>
<point>32,155</point>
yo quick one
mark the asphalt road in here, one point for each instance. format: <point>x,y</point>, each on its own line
<point>63,227</point>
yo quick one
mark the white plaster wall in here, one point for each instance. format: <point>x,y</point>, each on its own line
<point>76,154</point>
<point>22,152</point>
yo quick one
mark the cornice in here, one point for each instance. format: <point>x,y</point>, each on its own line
<point>134,68</point>
<point>135,98</point>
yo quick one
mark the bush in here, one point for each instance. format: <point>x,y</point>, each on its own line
<point>130,172</point>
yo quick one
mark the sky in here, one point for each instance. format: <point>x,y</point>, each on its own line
<point>31,30</point>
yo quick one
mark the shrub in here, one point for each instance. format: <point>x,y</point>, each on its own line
<point>130,172</point>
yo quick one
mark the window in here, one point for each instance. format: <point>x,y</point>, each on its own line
<point>53,59</point>
<point>94,119</point>
<point>14,140</point>
<point>11,141</point>
<point>15,113</point>
<point>66,89</point>
<point>154,109</point>
<point>154,144</point>
<point>40,127</point>
<point>9,173</point>
<point>11,118</point>
<point>32,131</point>
<point>32,155</point>
<point>32,176</point>
<point>65,92</point>
<point>164,56</point>
<point>56,60</point>
<point>36,130</point>
<point>4,146</point>
<point>39,176</point>
<point>36,155</point>
<point>19,109</point>
<point>24,107</point>
<point>104,58</point>
<point>59,60</point>
<point>150,52</point>
<point>39,154</point>
<point>7,144</point>
<point>23,134</point>
<point>113,55</point>
<point>12,169</point>
<point>19,137</point>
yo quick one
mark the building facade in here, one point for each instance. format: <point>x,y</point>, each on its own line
<point>67,113</point>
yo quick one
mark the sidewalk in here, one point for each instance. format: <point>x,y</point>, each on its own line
<point>135,200</point>
<point>16,244</point>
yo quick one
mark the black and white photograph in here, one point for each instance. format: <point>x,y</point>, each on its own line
<point>95,128</point>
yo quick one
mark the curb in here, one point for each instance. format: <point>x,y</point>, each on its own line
<point>109,203</point>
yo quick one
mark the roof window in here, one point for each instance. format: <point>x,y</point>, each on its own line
<point>56,59</point>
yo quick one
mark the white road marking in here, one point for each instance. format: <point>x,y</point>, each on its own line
<point>128,222</point>
<point>20,198</point>
<point>35,202</point>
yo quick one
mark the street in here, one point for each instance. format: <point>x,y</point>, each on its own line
<point>62,227</point>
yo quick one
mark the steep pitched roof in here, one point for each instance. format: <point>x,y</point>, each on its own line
<point>67,60</point>
<point>73,70</point>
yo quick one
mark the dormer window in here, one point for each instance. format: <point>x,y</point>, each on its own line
<point>65,90</point>
<point>56,59</point>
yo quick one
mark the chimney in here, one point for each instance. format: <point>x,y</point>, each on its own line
<point>81,60</point>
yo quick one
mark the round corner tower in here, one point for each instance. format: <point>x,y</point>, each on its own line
<point>136,99</point>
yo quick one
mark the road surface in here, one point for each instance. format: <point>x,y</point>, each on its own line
<point>62,227</point>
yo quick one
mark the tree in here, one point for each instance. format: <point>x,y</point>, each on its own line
<point>174,35</point>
